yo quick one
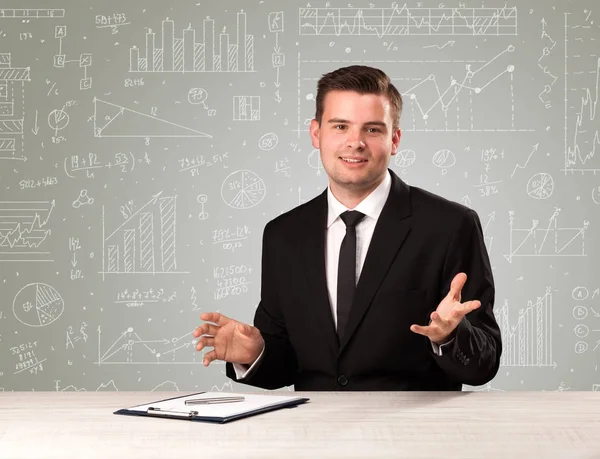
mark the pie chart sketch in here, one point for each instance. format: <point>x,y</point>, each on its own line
<point>38,305</point>
<point>444,158</point>
<point>58,120</point>
<point>405,158</point>
<point>540,186</point>
<point>243,189</point>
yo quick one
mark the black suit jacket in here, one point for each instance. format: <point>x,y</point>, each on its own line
<point>420,242</point>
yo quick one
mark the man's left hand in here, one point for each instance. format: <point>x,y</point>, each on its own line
<point>448,313</point>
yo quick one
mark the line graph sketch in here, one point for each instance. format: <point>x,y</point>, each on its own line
<point>445,96</point>
<point>112,120</point>
<point>134,247</point>
<point>24,230</point>
<point>408,21</point>
<point>185,54</point>
<point>549,240</point>
<point>131,349</point>
<point>582,83</point>
<point>528,342</point>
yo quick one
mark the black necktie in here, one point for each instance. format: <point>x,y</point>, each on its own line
<point>347,269</point>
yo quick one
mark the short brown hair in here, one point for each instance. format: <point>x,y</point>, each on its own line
<point>363,80</point>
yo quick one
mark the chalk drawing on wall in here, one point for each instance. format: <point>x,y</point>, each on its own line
<point>243,190</point>
<point>37,305</point>
<point>403,20</point>
<point>23,230</point>
<point>145,243</point>
<point>186,54</point>
<point>111,120</point>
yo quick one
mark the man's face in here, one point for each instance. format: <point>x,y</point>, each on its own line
<point>355,138</point>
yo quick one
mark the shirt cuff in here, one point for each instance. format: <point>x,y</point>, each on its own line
<point>243,371</point>
<point>437,348</point>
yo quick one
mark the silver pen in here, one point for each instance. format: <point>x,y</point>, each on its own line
<point>211,400</point>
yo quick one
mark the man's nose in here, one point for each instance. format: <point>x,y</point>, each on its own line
<point>355,139</point>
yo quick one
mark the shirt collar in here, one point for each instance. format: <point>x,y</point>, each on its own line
<point>371,206</point>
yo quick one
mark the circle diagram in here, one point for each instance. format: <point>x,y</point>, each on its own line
<point>58,120</point>
<point>444,158</point>
<point>405,158</point>
<point>540,186</point>
<point>38,305</point>
<point>243,189</point>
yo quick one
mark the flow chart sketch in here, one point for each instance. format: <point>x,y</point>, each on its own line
<point>145,243</point>
<point>582,83</point>
<point>547,240</point>
<point>12,109</point>
<point>403,20</point>
<point>60,59</point>
<point>24,231</point>
<point>449,96</point>
<point>112,120</point>
<point>243,190</point>
<point>528,342</point>
<point>185,54</point>
<point>131,349</point>
<point>38,305</point>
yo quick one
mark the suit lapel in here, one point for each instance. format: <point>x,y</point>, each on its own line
<point>390,232</point>
<point>312,251</point>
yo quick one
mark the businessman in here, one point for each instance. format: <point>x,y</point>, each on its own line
<point>373,284</point>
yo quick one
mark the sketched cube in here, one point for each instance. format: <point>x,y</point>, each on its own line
<point>85,83</point>
<point>59,61</point>
<point>85,60</point>
<point>278,59</point>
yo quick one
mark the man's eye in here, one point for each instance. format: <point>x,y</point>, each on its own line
<point>340,126</point>
<point>373,130</point>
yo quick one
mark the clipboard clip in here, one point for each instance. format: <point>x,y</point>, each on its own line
<point>185,414</point>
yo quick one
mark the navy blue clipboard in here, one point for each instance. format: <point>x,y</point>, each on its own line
<point>219,420</point>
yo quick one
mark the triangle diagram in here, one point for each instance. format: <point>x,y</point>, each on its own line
<point>111,120</point>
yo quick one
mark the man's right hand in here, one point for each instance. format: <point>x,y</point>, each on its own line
<point>232,341</point>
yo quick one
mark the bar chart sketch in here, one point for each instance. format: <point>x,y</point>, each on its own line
<point>12,108</point>
<point>246,108</point>
<point>131,349</point>
<point>187,53</point>
<point>408,21</point>
<point>145,242</point>
<point>528,343</point>
<point>112,120</point>
<point>582,83</point>
<point>24,230</point>
<point>549,240</point>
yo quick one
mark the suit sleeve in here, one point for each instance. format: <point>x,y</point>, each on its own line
<point>473,357</point>
<point>278,364</point>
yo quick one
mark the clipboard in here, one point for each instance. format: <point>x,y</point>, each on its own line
<point>220,413</point>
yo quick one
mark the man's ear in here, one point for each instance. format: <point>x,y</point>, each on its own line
<point>396,140</point>
<point>314,133</point>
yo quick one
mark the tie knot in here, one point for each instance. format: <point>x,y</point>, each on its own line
<point>351,217</point>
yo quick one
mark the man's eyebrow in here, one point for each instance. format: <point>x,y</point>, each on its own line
<point>342,121</point>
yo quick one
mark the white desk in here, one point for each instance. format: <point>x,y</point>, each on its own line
<point>332,425</point>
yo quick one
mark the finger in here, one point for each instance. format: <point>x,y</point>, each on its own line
<point>215,317</point>
<point>206,329</point>
<point>456,286</point>
<point>421,330</point>
<point>470,306</point>
<point>204,342</point>
<point>209,357</point>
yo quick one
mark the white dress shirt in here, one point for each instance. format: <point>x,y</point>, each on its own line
<point>371,206</point>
